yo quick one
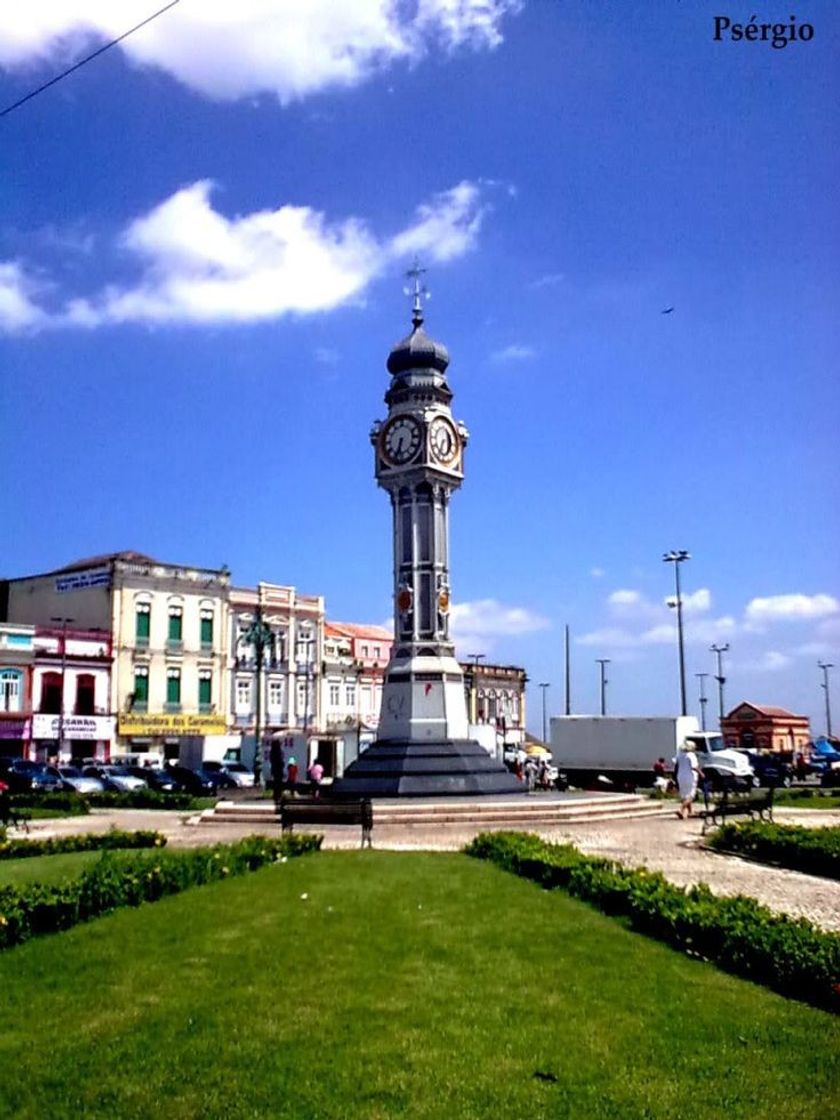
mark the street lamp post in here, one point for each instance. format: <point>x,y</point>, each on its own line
<point>825,666</point>
<point>475,657</point>
<point>64,623</point>
<point>603,662</point>
<point>677,557</point>
<point>260,635</point>
<point>703,698</point>
<point>720,678</point>
<point>545,686</point>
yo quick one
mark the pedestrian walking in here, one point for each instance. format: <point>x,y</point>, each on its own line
<point>316,776</point>
<point>687,773</point>
<point>292,773</point>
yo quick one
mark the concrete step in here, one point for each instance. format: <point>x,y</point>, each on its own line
<point>491,815</point>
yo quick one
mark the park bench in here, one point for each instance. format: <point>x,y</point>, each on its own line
<point>320,810</point>
<point>729,801</point>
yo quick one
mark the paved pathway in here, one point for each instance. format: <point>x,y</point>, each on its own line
<point>663,844</point>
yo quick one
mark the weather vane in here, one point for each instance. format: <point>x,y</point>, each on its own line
<point>419,291</point>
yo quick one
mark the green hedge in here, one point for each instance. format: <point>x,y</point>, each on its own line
<point>789,955</point>
<point>64,801</point>
<point>128,880</point>
<point>86,842</point>
<point>815,851</point>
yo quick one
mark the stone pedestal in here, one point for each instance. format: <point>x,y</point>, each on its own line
<point>407,768</point>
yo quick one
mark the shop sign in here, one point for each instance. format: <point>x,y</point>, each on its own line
<point>75,727</point>
<point>78,581</point>
<point>137,724</point>
<point>14,729</point>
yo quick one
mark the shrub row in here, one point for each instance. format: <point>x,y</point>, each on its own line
<point>815,851</point>
<point>127,880</point>
<point>789,955</point>
<point>108,799</point>
<point>90,842</point>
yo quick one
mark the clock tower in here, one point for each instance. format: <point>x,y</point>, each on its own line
<point>423,746</point>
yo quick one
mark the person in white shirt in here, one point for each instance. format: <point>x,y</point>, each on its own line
<point>687,773</point>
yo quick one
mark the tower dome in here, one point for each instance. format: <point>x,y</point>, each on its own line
<point>418,351</point>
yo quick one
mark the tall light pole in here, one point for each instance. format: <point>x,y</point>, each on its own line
<point>720,678</point>
<point>703,698</point>
<point>825,666</point>
<point>568,675</point>
<point>677,557</point>
<point>260,635</point>
<point>63,622</point>
<point>475,658</point>
<point>545,686</point>
<point>603,662</point>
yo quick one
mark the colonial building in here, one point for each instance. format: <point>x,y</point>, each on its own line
<point>757,728</point>
<point>276,641</point>
<point>168,626</point>
<point>496,696</point>
<point>71,694</point>
<point>17,656</point>
<point>354,663</point>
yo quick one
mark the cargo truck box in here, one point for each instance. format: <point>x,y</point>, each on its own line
<point>623,749</point>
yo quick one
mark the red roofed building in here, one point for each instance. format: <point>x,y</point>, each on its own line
<point>756,727</point>
<point>355,659</point>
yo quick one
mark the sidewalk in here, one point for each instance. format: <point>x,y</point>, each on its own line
<point>663,844</point>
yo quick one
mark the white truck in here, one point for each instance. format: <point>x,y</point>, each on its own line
<point>623,749</point>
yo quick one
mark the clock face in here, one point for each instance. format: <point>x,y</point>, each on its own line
<point>401,440</point>
<point>443,440</point>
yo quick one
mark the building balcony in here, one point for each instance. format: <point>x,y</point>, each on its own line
<point>140,706</point>
<point>174,645</point>
<point>206,709</point>
<point>172,707</point>
<point>206,647</point>
<point>141,641</point>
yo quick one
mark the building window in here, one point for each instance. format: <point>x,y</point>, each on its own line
<point>206,628</point>
<point>364,651</point>
<point>275,695</point>
<point>335,694</point>
<point>175,633</point>
<point>51,693</point>
<point>303,650</point>
<point>142,623</point>
<point>243,694</point>
<point>205,690</point>
<point>10,690</point>
<point>85,694</point>
<point>350,695</point>
<point>173,689</point>
<point>377,652</point>
<point>302,697</point>
<point>141,688</point>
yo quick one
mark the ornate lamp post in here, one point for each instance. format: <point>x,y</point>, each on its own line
<point>545,686</point>
<point>677,557</point>
<point>259,635</point>
<point>64,623</point>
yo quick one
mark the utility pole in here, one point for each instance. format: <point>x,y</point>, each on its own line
<point>545,686</point>
<point>568,676</point>
<point>475,657</point>
<point>603,662</point>
<point>677,557</point>
<point>64,622</point>
<point>825,666</point>
<point>720,678</point>
<point>703,698</point>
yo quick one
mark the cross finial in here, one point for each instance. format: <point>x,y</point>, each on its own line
<point>419,292</point>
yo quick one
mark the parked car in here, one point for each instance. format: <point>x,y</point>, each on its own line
<point>156,778</point>
<point>115,778</point>
<point>24,776</point>
<point>830,778</point>
<point>74,779</point>
<point>770,770</point>
<point>237,772</point>
<point>197,782</point>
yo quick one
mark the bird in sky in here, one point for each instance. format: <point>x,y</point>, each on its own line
<point>667,310</point>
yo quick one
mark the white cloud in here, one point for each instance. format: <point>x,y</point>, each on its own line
<point>787,608</point>
<point>514,353</point>
<point>18,311</point>
<point>282,47</point>
<point>769,662</point>
<point>199,266</point>
<point>489,617</point>
<point>697,601</point>
<point>609,638</point>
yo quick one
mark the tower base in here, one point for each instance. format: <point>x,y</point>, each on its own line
<point>406,768</point>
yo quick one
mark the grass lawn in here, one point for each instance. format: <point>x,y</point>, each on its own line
<point>807,798</point>
<point>46,869</point>
<point>404,985</point>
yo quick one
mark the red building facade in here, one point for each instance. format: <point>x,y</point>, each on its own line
<point>759,728</point>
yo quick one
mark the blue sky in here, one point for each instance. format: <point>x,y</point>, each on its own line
<point>202,241</point>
